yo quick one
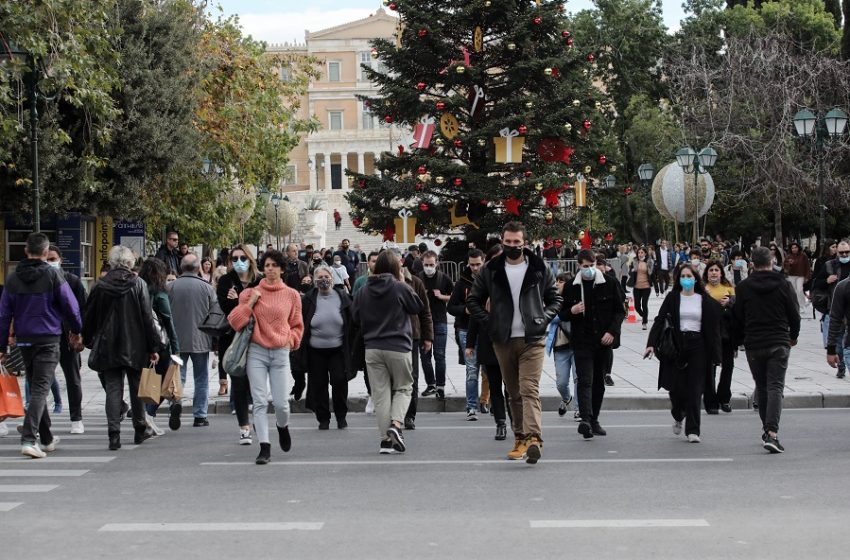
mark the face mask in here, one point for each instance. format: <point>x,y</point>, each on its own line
<point>844,260</point>
<point>324,283</point>
<point>714,281</point>
<point>695,262</point>
<point>687,283</point>
<point>241,267</point>
<point>54,264</point>
<point>430,270</point>
<point>588,273</point>
<point>337,263</point>
<point>740,263</point>
<point>513,253</point>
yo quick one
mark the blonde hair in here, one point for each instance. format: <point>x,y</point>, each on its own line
<point>253,272</point>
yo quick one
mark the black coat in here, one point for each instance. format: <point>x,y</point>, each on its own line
<point>478,338</point>
<point>607,310</point>
<point>711,312</point>
<point>229,280</point>
<point>308,309</point>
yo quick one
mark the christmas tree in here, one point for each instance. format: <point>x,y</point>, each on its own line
<point>503,114</point>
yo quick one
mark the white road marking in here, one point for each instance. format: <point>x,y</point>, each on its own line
<point>616,523</point>
<point>26,488</point>
<point>44,473</point>
<point>487,426</point>
<point>9,506</point>
<point>212,527</point>
<point>68,445</point>
<point>58,459</point>
<point>401,462</point>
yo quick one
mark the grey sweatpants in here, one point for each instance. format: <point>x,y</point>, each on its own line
<point>391,378</point>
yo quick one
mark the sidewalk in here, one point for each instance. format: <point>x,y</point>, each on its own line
<point>810,382</point>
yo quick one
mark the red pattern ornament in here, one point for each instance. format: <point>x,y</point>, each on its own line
<point>420,86</point>
<point>419,187</point>
<point>361,183</point>
<point>609,236</point>
<point>512,205</point>
<point>565,34</point>
<point>458,181</point>
<point>558,243</point>
<point>424,206</point>
<point>438,242</point>
<point>355,222</point>
<point>538,20</point>
<point>603,160</point>
<point>569,42</point>
<point>388,119</point>
<point>628,191</point>
<point>527,173</point>
<point>389,233</point>
<point>422,170</point>
<point>393,6</point>
<point>552,150</point>
<point>522,129</point>
<point>591,58</point>
<point>586,124</point>
<point>551,197</point>
<point>423,32</point>
<point>440,105</point>
<point>458,143</point>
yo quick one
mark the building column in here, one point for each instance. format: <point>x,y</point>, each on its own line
<point>327,170</point>
<point>361,163</point>
<point>314,182</point>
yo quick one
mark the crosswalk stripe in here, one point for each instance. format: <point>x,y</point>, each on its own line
<point>616,523</point>
<point>402,462</point>
<point>216,527</point>
<point>26,488</point>
<point>43,473</point>
<point>58,459</point>
<point>9,506</point>
<point>68,445</point>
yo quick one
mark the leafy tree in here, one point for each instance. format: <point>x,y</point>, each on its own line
<point>535,79</point>
<point>834,7</point>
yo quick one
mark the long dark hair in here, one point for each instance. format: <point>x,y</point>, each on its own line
<point>153,272</point>
<point>718,264</point>
<point>699,287</point>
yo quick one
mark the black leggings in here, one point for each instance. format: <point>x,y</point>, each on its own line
<point>497,392</point>
<point>642,303</point>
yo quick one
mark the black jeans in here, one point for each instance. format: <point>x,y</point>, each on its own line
<point>590,380</point>
<point>642,303</point>
<point>113,380</point>
<point>662,280</point>
<point>497,395</point>
<point>768,366</point>
<point>40,362</point>
<point>240,389</point>
<point>70,362</point>
<point>327,366</point>
<point>414,397</point>
<point>690,381</point>
<point>713,398</point>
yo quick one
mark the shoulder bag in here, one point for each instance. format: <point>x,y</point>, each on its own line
<point>667,349</point>
<point>235,359</point>
<point>215,324</point>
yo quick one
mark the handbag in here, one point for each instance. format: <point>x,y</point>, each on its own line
<point>149,386</point>
<point>215,323</point>
<point>235,359</point>
<point>11,401</point>
<point>163,335</point>
<point>15,361</point>
<point>667,348</point>
<point>172,386</point>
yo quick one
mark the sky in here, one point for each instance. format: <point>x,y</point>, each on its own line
<point>279,21</point>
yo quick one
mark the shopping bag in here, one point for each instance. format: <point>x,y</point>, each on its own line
<point>11,402</point>
<point>172,387</point>
<point>149,386</point>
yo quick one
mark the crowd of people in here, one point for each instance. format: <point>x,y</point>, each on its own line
<point>302,320</point>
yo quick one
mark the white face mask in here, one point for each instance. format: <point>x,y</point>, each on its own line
<point>430,270</point>
<point>55,264</point>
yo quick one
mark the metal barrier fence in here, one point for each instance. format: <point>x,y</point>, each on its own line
<point>453,269</point>
<point>449,268</point>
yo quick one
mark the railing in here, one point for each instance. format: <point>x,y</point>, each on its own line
<point>453,269</point>
<point>449,268</point>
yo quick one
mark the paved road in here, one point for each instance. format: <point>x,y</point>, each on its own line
<point>638,493</point>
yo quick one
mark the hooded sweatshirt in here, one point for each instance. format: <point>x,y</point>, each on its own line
<point>38,298</point>
<point>766,312</point>
<point>381,309</point>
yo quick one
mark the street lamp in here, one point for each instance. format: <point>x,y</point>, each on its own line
<point>276,202</point>
<point>696,164</point>
<point>645,173</point>
<point>830,127</point>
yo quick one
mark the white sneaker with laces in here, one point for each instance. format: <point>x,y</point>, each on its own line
<point>151,423</point>
<point>32,450</point>
<point>693,438</point>
<point>77,427</point>
<point>4,429</point>
<point>245,437</point>
<point>51,447</point>
<point>370,407</point>
<point>677,427</point>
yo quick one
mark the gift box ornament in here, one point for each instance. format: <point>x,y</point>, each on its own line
<point>509,146</point>
<point>422,132</point>
<point>405,227</point>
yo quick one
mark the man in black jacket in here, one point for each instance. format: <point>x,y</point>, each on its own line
<point>833,272</point>
<point>169,253</point>
<point>457,307</point>
<point>594,309</point>
<point>69,357</point>
<point>767,321</point>
<point>439,289</point>
<point>523,301</point>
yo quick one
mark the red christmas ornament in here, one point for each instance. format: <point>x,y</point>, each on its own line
<point>538,20</point>
<point>361,183</point>
<point>523,130</point>
<point>393,6</point>
<point>558,243</point>
<point>603,160</point>
<point>419,186</point>
<point>458,181</point>
<point>565,34</point>
<point>438,242</point>
<point>527,173</point>
<point>355,222</point>
<point>590,57</point>
<point>556,73</point>
<point>422,170</point>
<point>424,206</point>
<point>628,191</point>
<point>420,86</point>
<point>388,119</point>
<point>609,236</point>
<point>423,32</point>
<point>551,197</point>
<point>586,124</point>
<point>512,205</point>
<point>458,143</point>
<point>569,42</point>
<point>440,105</point>
<point>389,233</point>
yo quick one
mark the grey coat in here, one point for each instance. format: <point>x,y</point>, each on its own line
<point>191,299</point>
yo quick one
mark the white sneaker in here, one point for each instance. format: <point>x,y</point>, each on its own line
<point>51,447</point>
<point>4,429</point>
<point>32,450</point>
<point>677,427</point>
<point>151,423</point>
<point>214,364</point>
<point>693,438</point>
<point>245,437</point>
<point>370,407</point>
<point>77,427</point>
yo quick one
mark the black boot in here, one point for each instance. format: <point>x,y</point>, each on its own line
<point>141,435</point>
<point>284,438</point>
<point>265,454</point>
<point>501,430</point>
<point>114,441</point>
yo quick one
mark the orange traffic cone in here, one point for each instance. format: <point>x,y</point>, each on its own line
<point>632,314</point>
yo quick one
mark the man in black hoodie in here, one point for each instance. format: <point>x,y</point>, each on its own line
<point>767,321</point>
<point>457,307</point>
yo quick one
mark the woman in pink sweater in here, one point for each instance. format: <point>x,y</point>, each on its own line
<point>278,330</point>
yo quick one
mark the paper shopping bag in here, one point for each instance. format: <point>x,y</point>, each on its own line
<point>11,402</point>
<point>149,386</point>
<point>172,388</point>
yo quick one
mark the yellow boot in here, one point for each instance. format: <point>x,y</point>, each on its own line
<point>518,452</point>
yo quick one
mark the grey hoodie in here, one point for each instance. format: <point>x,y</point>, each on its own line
<point>382,310</point>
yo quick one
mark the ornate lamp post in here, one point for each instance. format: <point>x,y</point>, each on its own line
<point>645,173</point>
<point>696,164</point>
<point>276,201</point>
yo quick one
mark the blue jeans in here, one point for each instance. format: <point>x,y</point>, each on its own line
<point>471,373</point>
<point>438,349</point>
<point>200,369</point>
<point>269,367</point>
<point>839,344</point>
<point>565,369</point>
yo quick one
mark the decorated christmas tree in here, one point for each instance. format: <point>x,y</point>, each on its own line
<point>503,120</point>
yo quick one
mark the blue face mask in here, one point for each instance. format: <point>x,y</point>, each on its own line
<point>588,273</point>
<point>687,283</point>
<point>740,263</point>
<point>241,267</point>
<point>844,260</point>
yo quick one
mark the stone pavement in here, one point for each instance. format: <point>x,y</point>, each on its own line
<point>810,382</point>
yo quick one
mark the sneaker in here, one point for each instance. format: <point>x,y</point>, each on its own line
<point>562,408</point>
<point>141,435</point>
<point>429,390</point>
<point>370,407</point>
<point>284,438</point>
<point>518,452</point>
<point>50,447</point>
<point>245,437</point>
<point>32,450</point>
<point>151,423</point>
<point>534,451</point>
<point>397,439</point>
<point>501,432</point>
<point>200,422</point>
<point>764,437</point>
<point>174,418</point>
<point>484,408</point>
<point>440,394</point>
<point>577,416</point>
<point>409,424</point>
<point>585,429</point>
<point>771,443</point>
<point>693,438</point>
<point>643,328</point>
<point>4,429</point>
<point>471,415</point>
<point>677,427</point>
<point>341,423</point>
<point>57,408</point>
<point>77,427</point>
<point>609,381</point>
<point>597,429</point>
<point>726,407</point>
<point>386,447</point>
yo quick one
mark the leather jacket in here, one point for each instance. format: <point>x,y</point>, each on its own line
<point>539,300</point>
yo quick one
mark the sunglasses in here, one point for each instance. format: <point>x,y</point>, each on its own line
<point>242,258</point>
<point>844,253</point>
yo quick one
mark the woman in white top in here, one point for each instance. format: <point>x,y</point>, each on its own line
<point>694,319</point>
<point>340,275</point>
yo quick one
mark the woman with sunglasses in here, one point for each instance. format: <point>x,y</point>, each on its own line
<point>694,317</point>
<point>242,273</point>
<point>777,257</point>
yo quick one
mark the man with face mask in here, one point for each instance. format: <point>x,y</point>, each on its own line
<point>348,258</point>
<point>439,289</point>
<point>296,275</point>
<point>593,306</point>
<point>833,272</point>
<point>457,307</point>
<point>523,301</point>
<point>697,261</point>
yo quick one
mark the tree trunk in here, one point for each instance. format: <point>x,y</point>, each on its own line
<point>777,220</point>
<point>633,230</point>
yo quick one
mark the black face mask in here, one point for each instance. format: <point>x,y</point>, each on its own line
<point>513,253</point>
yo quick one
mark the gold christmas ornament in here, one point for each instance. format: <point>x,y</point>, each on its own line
<point>598,105</point>
<point>529,104</point>
<point>365,222</point>
<point>576,103</point>
<point>511,46</point>
<point>460,69</point>
<point>568,127</point>
<point>587,169</point>
<point>440,179</point>
<point>548,216</point>
<point>487,4</point>
<point>482,142</point>
<point>449,126</point>
<point>538,187</point>
<point>439,142</point>
<point>613,169</point>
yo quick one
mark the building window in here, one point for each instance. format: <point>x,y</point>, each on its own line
<point>285,75</point>
<point>334,72</point>
<point>16,242</point>
<point>291,177</point>
<point>335,120</point>
<point>87,250</point>
<point>368,120</point>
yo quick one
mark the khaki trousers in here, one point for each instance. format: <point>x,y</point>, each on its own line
<point>391,378</point>
<point>522,366</point>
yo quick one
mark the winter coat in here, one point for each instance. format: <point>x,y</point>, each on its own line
<point>162,307</point>
<point>171,258</point>
<point>191,299</point>
<point>606,309</point>
<point>766,311</point>
<point>457,302</point>
<point>308,309</point>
